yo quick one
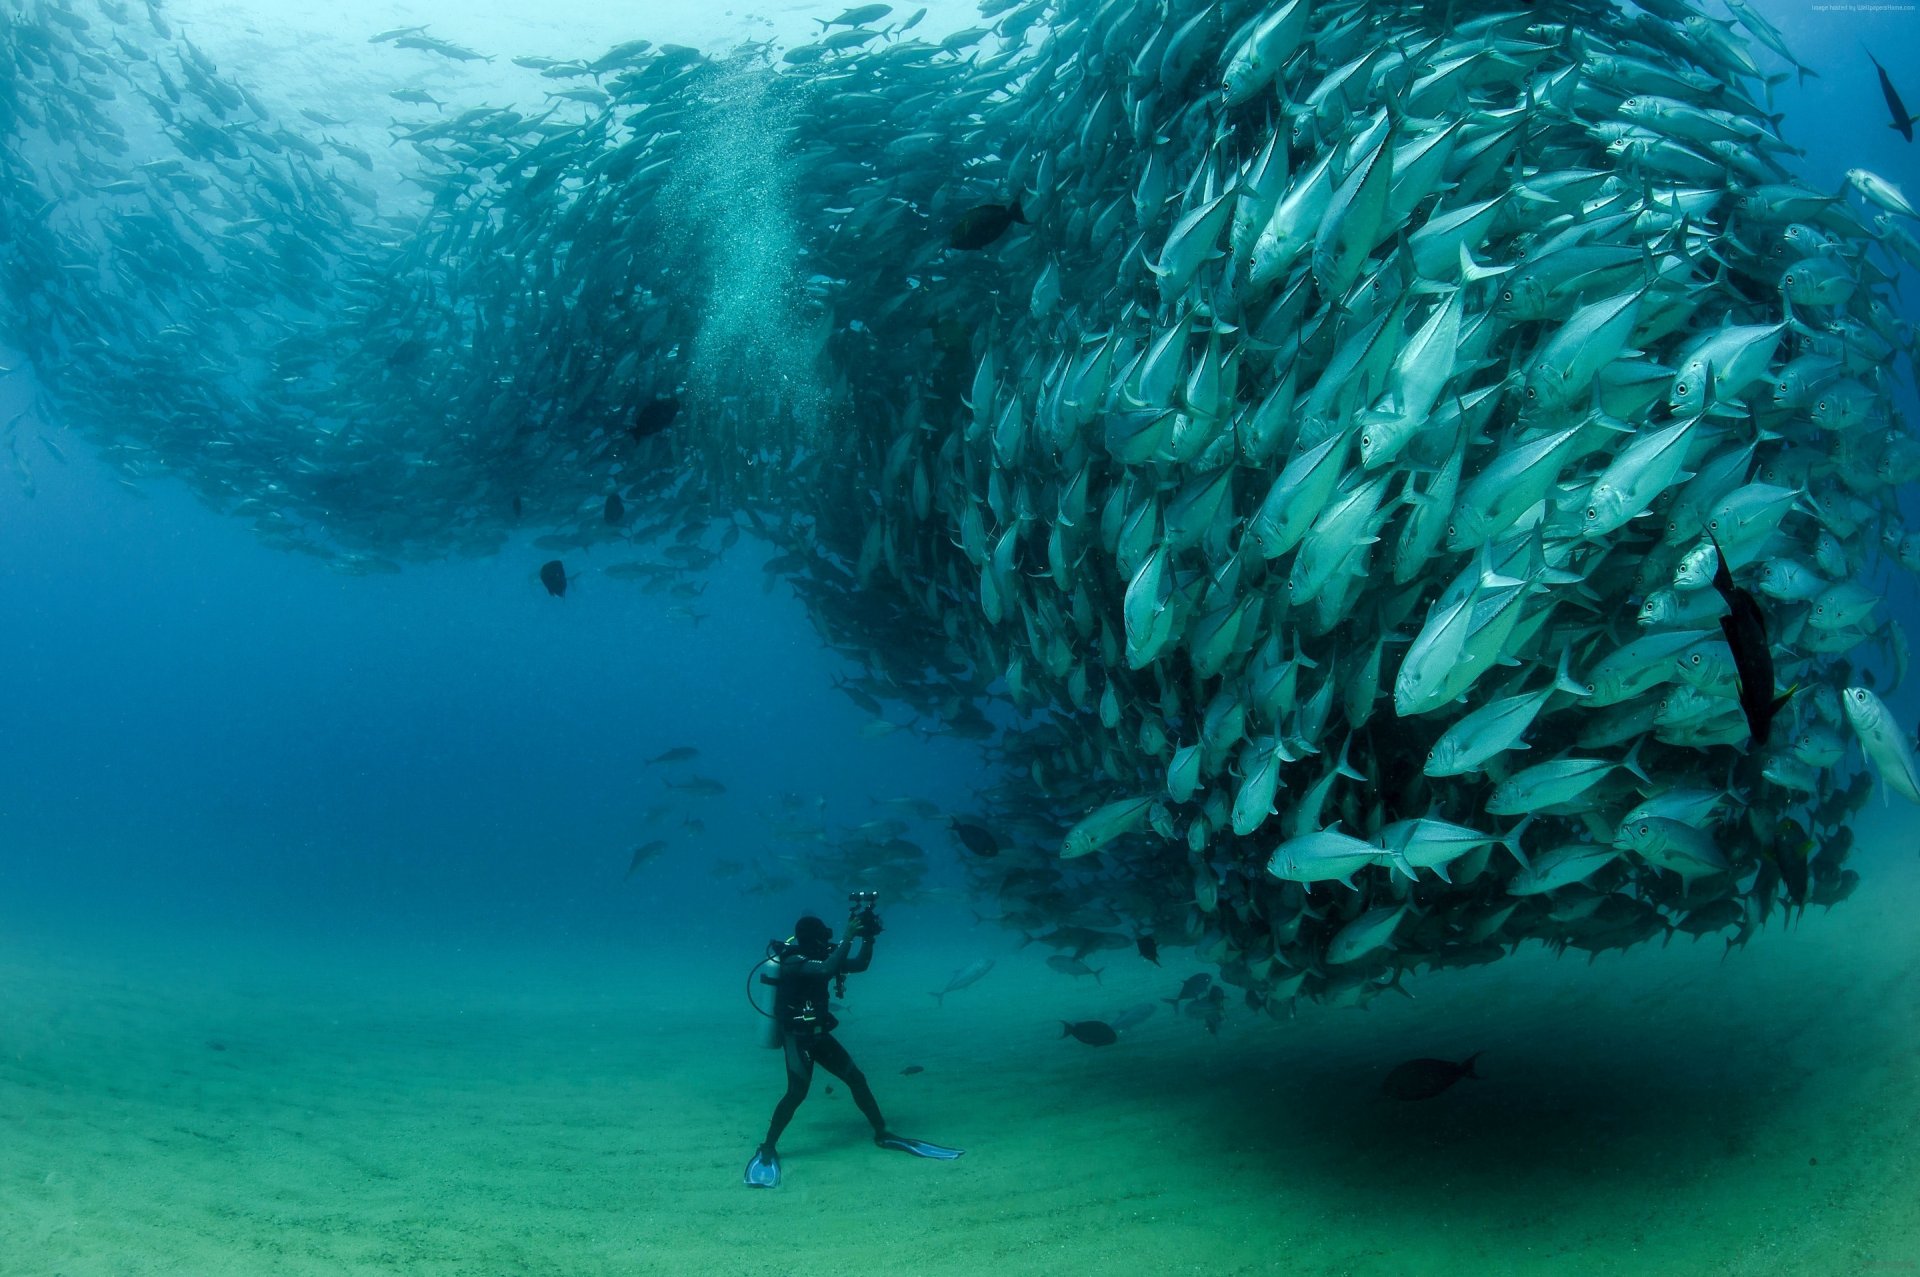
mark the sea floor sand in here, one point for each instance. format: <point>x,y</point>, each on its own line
<point>175,1105</point>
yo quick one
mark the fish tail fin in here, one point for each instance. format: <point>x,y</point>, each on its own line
<point>1472,272</point>
<point>1632,761</point>
<point>940,998</point>
<point>1466,1066</point>
<point>1344,767</point>
<point>1565,681</point>
<point>1096,973</point>
<point>1511,841</point>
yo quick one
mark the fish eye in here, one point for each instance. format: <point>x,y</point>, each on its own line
<point>1592,513</point>
<point>1821,406</point>
<point>1506,294</point>
<point>1530,392</point>
<point>1680,389</point>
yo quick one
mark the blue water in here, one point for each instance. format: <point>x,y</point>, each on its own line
<point>250,805</point>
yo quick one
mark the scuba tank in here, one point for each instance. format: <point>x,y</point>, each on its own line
<point>767,972</point>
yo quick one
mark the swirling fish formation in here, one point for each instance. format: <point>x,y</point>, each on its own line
<point>1335,430</point>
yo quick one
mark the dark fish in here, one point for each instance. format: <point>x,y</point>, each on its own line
<point>1072,966</point>
<point>984,223</point>
<point>1092,1032</point>
<point>1149,948</point>
<point>553,575</point>
<point>856,17</point>
<point>653,416</point>
<point>911,1069</point>
<point>980,842</point>
<point>678,754</point>
<point>1423,1079</point>
<point>1195,986</point>
<point>643,853</point>
<point>1745,626</point>
<point>1902,122</point>
<point>616,510</point>
<point>516,507</point>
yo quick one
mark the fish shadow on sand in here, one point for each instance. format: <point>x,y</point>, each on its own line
<point>1545,1117</point>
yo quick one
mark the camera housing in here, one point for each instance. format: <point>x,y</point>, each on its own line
<point>865,922</point>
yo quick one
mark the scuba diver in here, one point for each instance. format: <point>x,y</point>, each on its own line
<point>799,969</point>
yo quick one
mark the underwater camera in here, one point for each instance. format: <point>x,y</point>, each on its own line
<point>865,921</point>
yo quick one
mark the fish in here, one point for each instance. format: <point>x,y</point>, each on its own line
<point>653,416</point>
<point>1092,1032</point>
<point>1425,1078</point>
<point>1902,123</point>
<point>1745,627</point>
<point>1885,745</point>
<point>857,16</point>
<point>969,974</point>
<point>1149,948</point>
<point>553,575</point>
<point>911,1069</point>
<point>698,786</point>
<point>976,838</point>
<point>677,754</point>
<point>1136,1014</point>
<point>644,853</point>
<point>1072,966</point>
<point>1194,986</point>
<point>1102,826</point>
<point>615,511</point>
<point>982,225</point>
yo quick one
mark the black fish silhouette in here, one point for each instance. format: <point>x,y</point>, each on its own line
<point>982,224</point>
<point>1425,1078</point>
<point>1902,122</point>
<point>653,416</point>
<point>1745,626</point>
<point>1092,1032</point>
<point>976,839</point>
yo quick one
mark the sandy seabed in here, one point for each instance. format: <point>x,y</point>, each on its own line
<point>173,1105</point>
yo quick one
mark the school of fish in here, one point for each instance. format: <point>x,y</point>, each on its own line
<point>1354,465</point>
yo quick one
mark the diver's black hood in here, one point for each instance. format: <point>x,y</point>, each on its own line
<point>813,936</point>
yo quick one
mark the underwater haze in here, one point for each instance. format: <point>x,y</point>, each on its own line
<point>1342,571</point>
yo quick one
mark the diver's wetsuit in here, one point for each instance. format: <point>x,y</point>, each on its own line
<point>800,988</point>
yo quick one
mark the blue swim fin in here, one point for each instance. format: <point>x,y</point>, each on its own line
<point>764,1170</point>
<point>919,1148</point>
